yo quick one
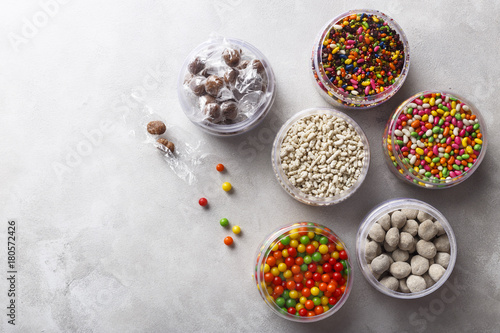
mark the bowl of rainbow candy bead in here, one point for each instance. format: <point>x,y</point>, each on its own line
<point>360,59</point>
<point>303,272</point>
<point>435,140</point>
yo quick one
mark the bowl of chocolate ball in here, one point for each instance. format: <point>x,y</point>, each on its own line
<point>226,86</point>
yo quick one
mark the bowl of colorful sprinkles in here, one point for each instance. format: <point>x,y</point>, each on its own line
<point>303,272</point>
<point>360,59</point>
<point>435,140</point>
<point>320,156</point>
<point>406,248</point>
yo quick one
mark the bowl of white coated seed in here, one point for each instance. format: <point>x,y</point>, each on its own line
<point>320,156</point>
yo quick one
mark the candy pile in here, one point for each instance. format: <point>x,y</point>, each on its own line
<point>306,271</point>
<point>362,55</point>
<point>407,250</point>
<point>436,136</point>
<point>227,85</point>
<point>322,155</point>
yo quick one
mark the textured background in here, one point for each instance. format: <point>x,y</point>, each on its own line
<point>111,240</point>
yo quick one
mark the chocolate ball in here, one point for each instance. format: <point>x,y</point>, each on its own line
<point>156,127</point>
<point>229,110</point>
<point>196,65</point>
<point>257,65</point>
<point>230,75</point>
<point>212,111</point>
<point>197,85</point>
<point>231,57</point>
<point>213,85</point>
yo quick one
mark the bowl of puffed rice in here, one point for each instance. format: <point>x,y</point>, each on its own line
<point>321,156</point>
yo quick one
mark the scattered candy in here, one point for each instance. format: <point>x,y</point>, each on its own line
<point>329,166</point>
<point>220,167</point>
<point>306,271</point>
<point>407,250</point>
<point>236,230</point>
<point>434,138</point>
<point>227,186</point>
<point>203,202</point>
<point>224,222</point>
<point>228,240</point>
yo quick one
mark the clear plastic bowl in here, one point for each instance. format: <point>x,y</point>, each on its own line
<point>336,97</point>
<point>285,182</point>
<point>388,207</point>
<point>239,127</point>
<point>265,249</point>
<point>400,165</point>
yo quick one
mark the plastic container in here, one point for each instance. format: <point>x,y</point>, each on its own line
<point>388,207</point>
<point>401,165</point>
<point>294,230</point>
<point>254,113</point>
<point>332,93</point>
<point>285,182</point>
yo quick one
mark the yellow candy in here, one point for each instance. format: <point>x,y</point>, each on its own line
<point>282,267</point>
<point>323,249</point>
<point>419,151</point>
<point>227,186</point>
<point>478,141</point>
<point>432,101</point>
<point>275,247</point>
<point>464,142</point>
<point>428,159</point>
<point>348,61</point>
<point>335,255</point>
<point>339,247</point>
<point>303,300</point>
<point>469,150</point>
<point>324,300</point>
<point>310,234</point>
<point>301,248</point>
<point>293,294</point>
<point>335,50</point>
<point>284,253</point>
<point>425,117</point>
<point>294,234</point>
<point>294,243</point>
<point>267,268</point>
<point>319,269</point>
<point>275,271</point>
<point>315,244</point>
<point>314,291</point>
<point>288,274</point>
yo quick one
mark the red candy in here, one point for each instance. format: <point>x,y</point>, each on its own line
<point>203,202</point>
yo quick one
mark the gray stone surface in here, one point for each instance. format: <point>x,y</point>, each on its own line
<point>114,241</point>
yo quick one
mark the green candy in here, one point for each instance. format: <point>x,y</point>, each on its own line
<point>436,129</point>
<point>428,174</point>
<point>316,300</point>
<point>458,116</point>
<point>317,238</point>
<point>431,139</point>
<point>323,240</point>
<point>303,267</point>
<point>316,256</point>
<point>441,122</point>
<point>284,311</point>
<point>307,259</point>
<point>285,240</point>
<point>414,134</point>
<point>280,301</point>
<point>290,303</point>
<point>446,155</point>
<point>477,147</point>
<point>456,167</point>
<point>465,156</point>
<point>475,127</point>
<point>400,143</point>
<point>304,240</point>
<point>435,160</point>
<point>224,222</point>
<point>286,294</point>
